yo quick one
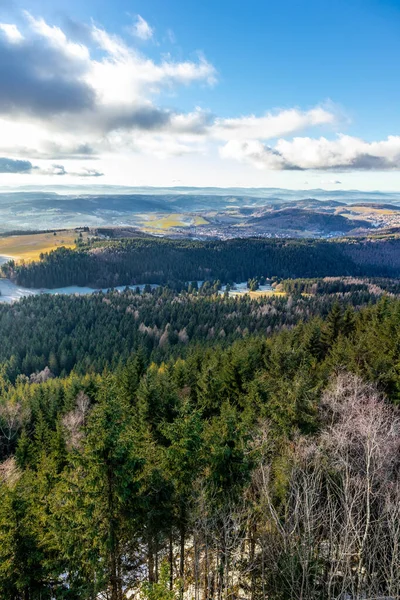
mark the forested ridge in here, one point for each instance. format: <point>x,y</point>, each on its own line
<point>90,333</point>
<point>131,261</point>
<point>263,465</point>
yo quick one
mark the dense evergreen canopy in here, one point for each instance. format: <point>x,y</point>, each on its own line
<point>131,261</point>
<point>213,471</point>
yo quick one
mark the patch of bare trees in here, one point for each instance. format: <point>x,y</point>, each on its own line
<point>333,529</point>
<point>337,532</point>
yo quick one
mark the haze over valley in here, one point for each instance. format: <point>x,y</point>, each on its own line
<point>203,213</point>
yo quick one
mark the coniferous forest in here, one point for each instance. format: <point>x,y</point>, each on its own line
<point>170,444</point>
<point>107,263</point>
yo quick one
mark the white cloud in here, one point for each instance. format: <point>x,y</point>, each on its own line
<point>271,125</point>
<point>11,32</point>
<point>103,98</point>
<point>142,29</point>
<point>57,39</point>
<point>60,170</point>
<point>253,152</point>
<point>59,97</point>
<point>165,146</point>
<point>343,153</point>
<point>124,76</point>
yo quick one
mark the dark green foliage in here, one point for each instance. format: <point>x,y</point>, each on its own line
<point>131,261</point>
<point>104,477</point>
<point>89,333</point>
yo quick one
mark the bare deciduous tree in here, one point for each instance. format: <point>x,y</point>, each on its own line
<point>13,416</point>
<point>74,421</point>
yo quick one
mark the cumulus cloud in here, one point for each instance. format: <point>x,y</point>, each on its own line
<point>61,86</point>
<point>41,76</point>
<point>10,165</point>
<point>271,125</point>
<point>343,153</point>
<point>80,92</point>
<point>141,29</point>
<point>255,153</point>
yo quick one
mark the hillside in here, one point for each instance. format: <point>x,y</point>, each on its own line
<point>301,220</point>
<point>132,261</point>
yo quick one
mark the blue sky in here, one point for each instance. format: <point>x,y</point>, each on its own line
<point>289,93</point>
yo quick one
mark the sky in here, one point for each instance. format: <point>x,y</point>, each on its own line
<point>263,93</point>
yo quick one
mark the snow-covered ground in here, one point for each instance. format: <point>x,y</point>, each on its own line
<point>11,292</point>
<point>241,288</point>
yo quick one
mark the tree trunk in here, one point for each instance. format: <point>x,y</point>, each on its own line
<point>182,531</point>
<point>206,594</point>
<point>252,561</point>
<point>150,560</point>
<point>171,562</point>
<point>113,543</point>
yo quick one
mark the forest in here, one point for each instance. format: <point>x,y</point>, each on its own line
<point>111,263</point>
<point>91,333</point>
<point>262,463</point>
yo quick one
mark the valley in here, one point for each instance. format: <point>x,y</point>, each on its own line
<point>202,213</point>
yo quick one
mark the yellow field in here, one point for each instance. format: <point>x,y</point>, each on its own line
<point>29,247</point>
<point>369,210</point>
<point>173,220</point>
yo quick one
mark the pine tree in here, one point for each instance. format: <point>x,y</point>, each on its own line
<point>99,492</point>
<point>333,324</point>
<point>349,321</point>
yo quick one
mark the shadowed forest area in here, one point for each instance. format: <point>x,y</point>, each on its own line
<point>164,261</point>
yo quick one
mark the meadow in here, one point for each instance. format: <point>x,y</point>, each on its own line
<point>29,247</point>
<point>163,223</point>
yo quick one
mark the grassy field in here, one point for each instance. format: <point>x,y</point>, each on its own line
<point>368,210</point>
<point>173,220</point>
<point>29,247</point>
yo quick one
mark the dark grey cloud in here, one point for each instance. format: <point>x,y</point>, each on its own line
<point>274,159</point>
<point>369,162</point>
<point>9,165</point>
<point>52,150</point>
<point>363,162</point>
<point>147,118</point>
<point>40,80</point>
<point>47,75</point>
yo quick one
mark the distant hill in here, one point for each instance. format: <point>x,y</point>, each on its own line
<point>375,205</point>
<point>313,203</point>
<point>125,207</point>
<point>297,219</point>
